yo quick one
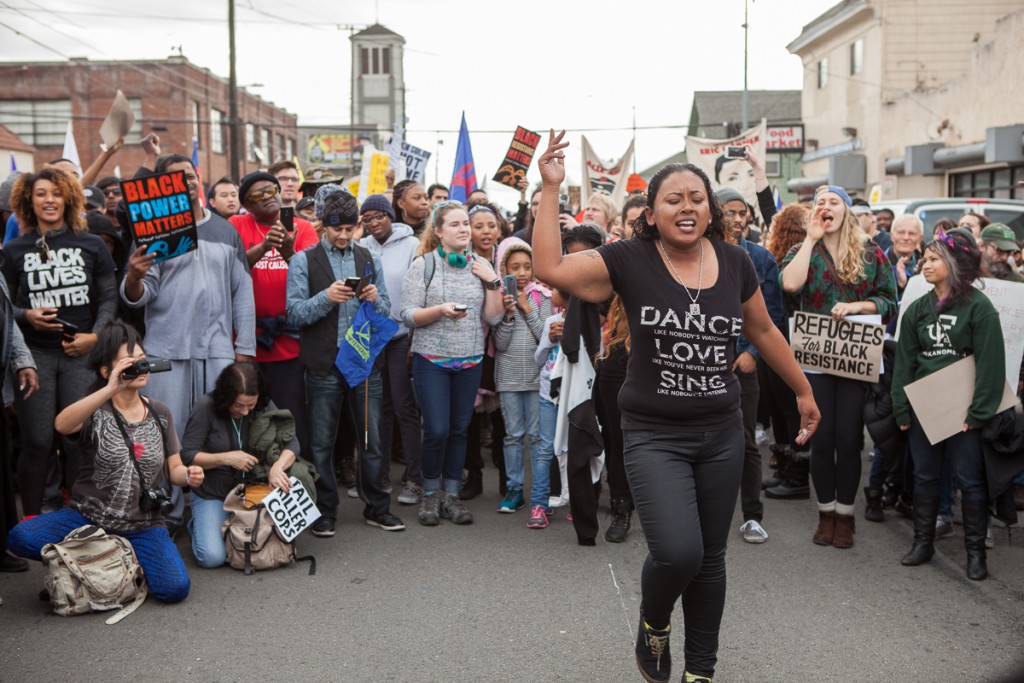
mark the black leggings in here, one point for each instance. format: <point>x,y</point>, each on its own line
<point>684,487</point>
<point>608,395</point>
<point>837,443</point>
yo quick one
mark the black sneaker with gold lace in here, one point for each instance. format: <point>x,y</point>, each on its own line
<point>652,653</point>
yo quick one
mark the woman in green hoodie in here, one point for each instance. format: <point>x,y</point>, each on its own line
<point>951,322</point>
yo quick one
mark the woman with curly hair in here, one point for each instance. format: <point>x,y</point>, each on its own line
<point>837,271</point>
<point>61,280</point>
<point>683,444</point>
<point>788,229</point>
<point>968,325</point>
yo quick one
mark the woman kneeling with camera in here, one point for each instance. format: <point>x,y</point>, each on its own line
<point>129,452</point>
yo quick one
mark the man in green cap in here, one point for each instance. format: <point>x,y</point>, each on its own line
<point>997,244</point>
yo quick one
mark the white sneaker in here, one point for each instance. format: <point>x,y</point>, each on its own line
<point>558,501</point>
<point>753,532</point>
<point>760,435</point>
<point>353,492</point>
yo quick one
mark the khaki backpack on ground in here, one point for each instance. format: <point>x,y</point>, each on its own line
<point>251,540</point>
<point>90,571</point>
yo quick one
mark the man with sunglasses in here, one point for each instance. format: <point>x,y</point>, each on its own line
<point>198,307</point>
<point>269,246</point>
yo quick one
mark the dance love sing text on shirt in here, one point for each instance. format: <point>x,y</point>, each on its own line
<point>692,349</point>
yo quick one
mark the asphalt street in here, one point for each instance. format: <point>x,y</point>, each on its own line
<point>496,601</point>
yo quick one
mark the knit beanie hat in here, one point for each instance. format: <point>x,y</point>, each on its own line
<point>728,194</point>
<point>377,202</point>
<point>336,206</point>
<point>250,180</point>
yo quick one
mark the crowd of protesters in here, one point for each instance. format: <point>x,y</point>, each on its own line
<point>536,359</point>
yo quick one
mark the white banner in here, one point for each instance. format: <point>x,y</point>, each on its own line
<point>599,178</point>
<point>415,162</point>
<point>1007,297</point>
<point>709,156</point>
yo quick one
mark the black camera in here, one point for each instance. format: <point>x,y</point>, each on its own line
<point>145,367</point>
<point>156,500</point>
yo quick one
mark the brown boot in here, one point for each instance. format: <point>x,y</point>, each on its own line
<point>845,528</point>
<point>826,528</point>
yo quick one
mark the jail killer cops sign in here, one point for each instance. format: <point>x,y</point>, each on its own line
<point>160,213</point>
<point>844,348</point>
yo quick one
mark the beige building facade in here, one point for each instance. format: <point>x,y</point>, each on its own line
<point>920,98</point>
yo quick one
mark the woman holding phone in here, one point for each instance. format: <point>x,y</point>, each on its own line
<point>681,423</point>
<point>61,280</point>
<point>447,294</point>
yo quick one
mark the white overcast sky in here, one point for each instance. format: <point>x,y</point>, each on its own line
<point>577,64</point>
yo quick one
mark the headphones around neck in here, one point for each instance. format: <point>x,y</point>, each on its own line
<point>455,260</point>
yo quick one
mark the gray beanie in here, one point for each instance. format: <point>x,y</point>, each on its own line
<point>727,194</point>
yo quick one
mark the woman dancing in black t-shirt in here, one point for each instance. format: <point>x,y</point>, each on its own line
<point>687,295</point>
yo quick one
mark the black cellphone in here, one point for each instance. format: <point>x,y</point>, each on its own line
<point>563,204</point>
<point>732,152</point>
<point>288,218</point>
<point>354,283</point>
<point>461,307</point>
<point>69,329</point>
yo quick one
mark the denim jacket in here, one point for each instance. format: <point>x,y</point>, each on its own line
<point>768,277</point>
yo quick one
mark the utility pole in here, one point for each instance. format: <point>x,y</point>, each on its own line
<point>746,97</point>
<point>234,125</point>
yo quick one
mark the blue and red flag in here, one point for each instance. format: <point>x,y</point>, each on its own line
<point>195,162</point>
<point>464,175</point>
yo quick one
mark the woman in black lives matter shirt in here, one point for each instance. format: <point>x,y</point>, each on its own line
<point>688,295</point>
<point>57,273</point>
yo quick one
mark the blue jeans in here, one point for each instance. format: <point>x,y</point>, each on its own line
<point>446,399</point>
<point>520,412</point>
<point>159,558</point>
<point>963,449</point>
<point>208,515</point>
<point>543,454</point>
<point>325,394</point>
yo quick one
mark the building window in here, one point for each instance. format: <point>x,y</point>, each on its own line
<point>250,142</point>
<point>279,147</point>
<point>375,61</point>
<point>773,165</point>
<point>217,131</point>
<point>822,73</point>
<point>1000,183</point>
<point>265,144</point>
<point>856,57</point>
<point>37,122</point>
<point>195,121</point>
<point>289,148</point>
<point>135,134</point>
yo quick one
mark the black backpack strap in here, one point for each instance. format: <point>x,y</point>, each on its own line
<point>312,563</point>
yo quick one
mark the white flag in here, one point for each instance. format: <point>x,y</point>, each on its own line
<point>599,178</point>
<point>71,149</point>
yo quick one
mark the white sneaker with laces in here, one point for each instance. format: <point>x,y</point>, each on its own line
<point>753,532</point>
<point>558,501</point>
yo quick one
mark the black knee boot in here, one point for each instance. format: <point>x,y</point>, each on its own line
<point>926,511</point>
<point>975,513</point>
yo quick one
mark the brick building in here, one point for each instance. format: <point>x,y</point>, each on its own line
<point>173,97</point>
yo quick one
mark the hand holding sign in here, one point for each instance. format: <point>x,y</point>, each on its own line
<point>292,510</point>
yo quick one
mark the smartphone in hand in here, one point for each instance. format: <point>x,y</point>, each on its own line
<point>288,218</point>
<point>354,283</point>
<point>68,330</point>
<point>510,286</point>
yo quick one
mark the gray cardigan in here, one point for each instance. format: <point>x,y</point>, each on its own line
<point>462,338</point>
<point>14,353</point>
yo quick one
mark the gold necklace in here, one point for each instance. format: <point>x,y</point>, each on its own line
<point>694,306</point>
